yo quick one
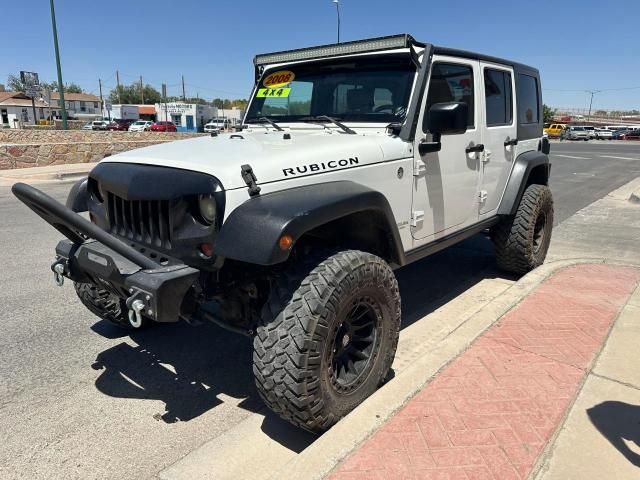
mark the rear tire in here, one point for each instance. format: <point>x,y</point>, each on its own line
<point>105,305</point>
<point>327,337</point>
<point>522,240</point>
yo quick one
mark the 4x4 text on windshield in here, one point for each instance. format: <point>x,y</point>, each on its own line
<point>318,167</point>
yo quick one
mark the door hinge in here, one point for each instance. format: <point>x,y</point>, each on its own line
<point>419,168</point>
<point>416,217</point>
<point>482,195</point>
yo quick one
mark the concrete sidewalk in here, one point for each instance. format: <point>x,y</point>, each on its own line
<point>49,174</point>
<point>492,411</point>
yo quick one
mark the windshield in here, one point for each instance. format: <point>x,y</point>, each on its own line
<point>369,89</point>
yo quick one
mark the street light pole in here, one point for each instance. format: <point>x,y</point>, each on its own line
<point>57,50</point>
<point>337,2</point>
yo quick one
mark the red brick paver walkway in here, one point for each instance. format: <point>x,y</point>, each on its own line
<point>489,414</point>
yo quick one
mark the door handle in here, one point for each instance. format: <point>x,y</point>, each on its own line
<point>476,148</point>
<point>510,143</point>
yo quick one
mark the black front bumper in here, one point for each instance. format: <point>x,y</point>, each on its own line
<point>89,254</point>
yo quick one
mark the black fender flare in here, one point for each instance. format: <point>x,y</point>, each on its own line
<point>78,198</point>
<point>252,231</point>
<point>524,164</point>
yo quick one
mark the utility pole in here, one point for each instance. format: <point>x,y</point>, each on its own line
<point>184,97</point>
<point>337,2</point>
<point>101,100</point>
<point>118,86</point>
<point>592,92</point>
<point>59,68</point>
<point>141,90</point>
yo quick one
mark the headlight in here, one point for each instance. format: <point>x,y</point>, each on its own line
<point>207,206</point>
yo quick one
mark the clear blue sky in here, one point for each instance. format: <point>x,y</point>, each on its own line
<point>577,45</point>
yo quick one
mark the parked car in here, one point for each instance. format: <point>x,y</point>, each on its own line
<point>573,132</point>
<point>121,125</point>
<point>99,125</point>
<point>207,230</point>
<point>632,134</point>
<point>163,127</point>
<point>603,134</point>
<point>140,126</point>
<point>620,134</point>
<point>216,125</point>
<point>88,126</point>
<point>554,130</point>
<point>591,129</point>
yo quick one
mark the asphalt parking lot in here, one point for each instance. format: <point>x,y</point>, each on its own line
<point>79,399</point>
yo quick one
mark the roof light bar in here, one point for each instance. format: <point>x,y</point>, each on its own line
<point>346,48</point>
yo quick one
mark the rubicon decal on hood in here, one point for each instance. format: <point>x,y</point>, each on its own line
<point>319,167</point>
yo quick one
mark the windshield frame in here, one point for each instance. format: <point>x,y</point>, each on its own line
<point>396,59</point>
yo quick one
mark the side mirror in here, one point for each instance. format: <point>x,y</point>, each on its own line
<point>448,118</point>
<point>444,118</point>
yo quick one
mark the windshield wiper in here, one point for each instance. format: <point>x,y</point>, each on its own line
<point>265,120</point>
<point>340,125</point>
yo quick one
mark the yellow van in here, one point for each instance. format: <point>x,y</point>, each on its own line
<point>554,129</point>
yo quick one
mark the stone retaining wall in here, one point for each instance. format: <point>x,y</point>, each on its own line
<point>31,148</point>
<point>73,136</point>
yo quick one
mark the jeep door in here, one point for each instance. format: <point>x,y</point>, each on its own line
<point>445,195</point>
<point>499,135</point>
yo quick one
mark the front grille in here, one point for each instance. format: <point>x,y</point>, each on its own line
<point>143,221</point>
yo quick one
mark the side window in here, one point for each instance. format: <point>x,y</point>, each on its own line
<point>497,94</point>
<point>528,110</point>
<point>450,82</point>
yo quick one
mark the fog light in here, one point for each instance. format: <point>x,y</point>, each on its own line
<point>206,249</point>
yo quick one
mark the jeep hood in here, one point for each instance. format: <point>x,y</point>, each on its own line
<point>272,156</point>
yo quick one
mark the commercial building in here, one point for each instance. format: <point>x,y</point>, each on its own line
<point>234,115</point>
<point>188,117</point>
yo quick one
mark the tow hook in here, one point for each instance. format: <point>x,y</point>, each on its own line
<point>58,274</point>
<point>135,317</point>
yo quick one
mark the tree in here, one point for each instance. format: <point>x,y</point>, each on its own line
<point>17,85</point>
<point>548,113</point>
<point>131,94</point>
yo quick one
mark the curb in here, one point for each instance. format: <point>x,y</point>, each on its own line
<point>321,457</point>
<point>40,175</point>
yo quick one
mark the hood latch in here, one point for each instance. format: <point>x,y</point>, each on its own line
<point>250,179</point>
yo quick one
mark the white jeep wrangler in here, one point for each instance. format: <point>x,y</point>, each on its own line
<point>354,159</point>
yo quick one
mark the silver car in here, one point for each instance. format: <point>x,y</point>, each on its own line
<point>572,132</point>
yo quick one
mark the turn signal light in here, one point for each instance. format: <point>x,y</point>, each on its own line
<point>206,249</point>
<point>285,242</point>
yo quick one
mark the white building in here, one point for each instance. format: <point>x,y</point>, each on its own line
<point>234,115</point>
<point>82,106</point>
<point>188,117</point>
<point>16,110</point>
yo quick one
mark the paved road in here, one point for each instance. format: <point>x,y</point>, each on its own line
<point>80,400</point>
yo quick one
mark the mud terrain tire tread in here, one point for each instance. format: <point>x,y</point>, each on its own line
<point>514,236</point>
<point>295,321</point>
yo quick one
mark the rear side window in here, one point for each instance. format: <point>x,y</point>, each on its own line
<point>528,111</point>
<point>498,98</point>
<point>450,82</point>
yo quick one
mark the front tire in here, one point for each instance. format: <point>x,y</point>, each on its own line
<point>327,337</point>
<point>522,240</point>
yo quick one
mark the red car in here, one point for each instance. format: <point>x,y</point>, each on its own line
<point>164,127</point>
<point>120,125</point>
